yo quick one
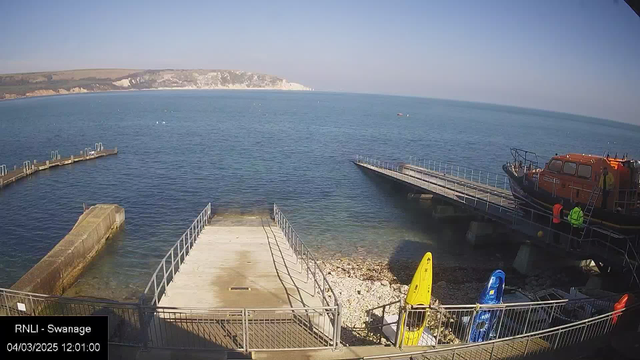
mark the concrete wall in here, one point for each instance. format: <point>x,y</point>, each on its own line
<point>60,268</point>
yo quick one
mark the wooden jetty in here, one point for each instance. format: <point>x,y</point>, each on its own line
<point>7,177</point>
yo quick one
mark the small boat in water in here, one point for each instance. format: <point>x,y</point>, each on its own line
<point>573,178</point>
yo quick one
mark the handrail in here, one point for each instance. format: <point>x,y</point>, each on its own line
<point>549,331</point>
<point>302,253</point>
<point>188,239</point>
<point>489,178</point>
<point>11,292</point>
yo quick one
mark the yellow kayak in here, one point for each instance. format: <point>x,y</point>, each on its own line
<point>419,294</point>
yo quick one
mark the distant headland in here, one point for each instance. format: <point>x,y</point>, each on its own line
<point>14,86</point>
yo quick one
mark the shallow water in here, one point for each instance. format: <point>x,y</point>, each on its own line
<point>243,151</point>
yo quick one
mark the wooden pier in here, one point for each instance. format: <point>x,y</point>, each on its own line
<point>28,167</point>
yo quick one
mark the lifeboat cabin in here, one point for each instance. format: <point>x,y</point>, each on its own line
<point>573,178</point>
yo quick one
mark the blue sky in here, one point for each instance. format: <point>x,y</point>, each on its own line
<point>576,56</point>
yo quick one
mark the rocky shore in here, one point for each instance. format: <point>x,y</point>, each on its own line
<point>363,284</point>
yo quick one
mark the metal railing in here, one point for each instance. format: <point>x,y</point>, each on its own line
<point>532,343</point>
<point>313,270</point>
<point>124,318</point>
<point>503,208</point>
<point>240,328</point>
<point>164,273</point>
<point>461,324</point>
<point>184,328</point>
<point>453,324</point>
<point>499,181</point>
<point>626,200</point>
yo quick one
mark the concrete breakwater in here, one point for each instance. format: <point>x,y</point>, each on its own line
<point>60,268</point>
<point>10,176</point>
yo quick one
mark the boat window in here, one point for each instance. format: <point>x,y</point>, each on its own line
<point>555,165</point>
<point>569,168</point>
<point>584,171</point>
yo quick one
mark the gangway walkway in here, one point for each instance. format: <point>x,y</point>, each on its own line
<point>10,176</point>
<point>488,195</point>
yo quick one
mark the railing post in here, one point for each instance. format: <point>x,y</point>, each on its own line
<point>173,271</point>
<point>526,347</point>
<point>337,327</point>
<point>155,288</point>
<point>438,328</point>
<point>555,344</point>
<point>471,320</point>
<point>400,327</point>
<point>527,322</point>
<point>142,323</point>
<point>245,330</point>
<point>585,330</point>
<point>500,323</point>
<point>164,270</point>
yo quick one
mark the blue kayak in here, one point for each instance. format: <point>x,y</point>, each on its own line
<point>483,321</point>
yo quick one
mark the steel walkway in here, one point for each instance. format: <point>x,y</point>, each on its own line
<point>8,177</point>
<point>489,195</point>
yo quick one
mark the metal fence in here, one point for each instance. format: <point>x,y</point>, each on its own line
<point>170,264</point>
<point>240,329</point>
<point>482,177</point>
<point>532,343</point>
<point>125,319</point>
<point>181,328</point>
<point>461,324</point>
<point>313,271</point>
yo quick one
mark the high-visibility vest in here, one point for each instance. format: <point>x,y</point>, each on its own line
<point>576,216</point>
<point>609,178</point>
<point>557,214</point>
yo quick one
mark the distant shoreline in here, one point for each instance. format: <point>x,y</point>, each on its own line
<point>16,86</point>
<point>22,97</point>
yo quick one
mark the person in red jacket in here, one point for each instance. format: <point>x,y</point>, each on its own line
<point>557,221</point>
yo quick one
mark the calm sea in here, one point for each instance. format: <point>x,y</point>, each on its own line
<point>243,151</point>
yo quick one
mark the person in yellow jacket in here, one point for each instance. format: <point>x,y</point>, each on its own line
<point>606,184</point>
<point>576,218</point>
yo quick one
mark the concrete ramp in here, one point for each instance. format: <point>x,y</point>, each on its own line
<point>241,282</point>
<point>60,268</point>
<point>244,263</point>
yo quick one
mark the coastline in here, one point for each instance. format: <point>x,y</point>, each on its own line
<point>154,89</point>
